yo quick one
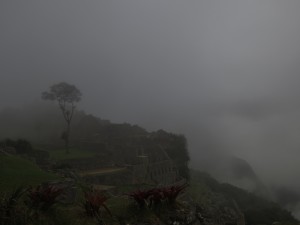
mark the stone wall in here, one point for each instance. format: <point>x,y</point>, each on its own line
<point>161,173</point>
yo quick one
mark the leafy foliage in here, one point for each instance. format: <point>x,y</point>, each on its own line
<point>13,211</point>
<point>156,196</point>
<point>94,201</point>
<point>10,213</point>
<point>63,92</point>
<point>22,146</point>
<point>140,197</point>
<point>43,197</point>
<point>171,193</point>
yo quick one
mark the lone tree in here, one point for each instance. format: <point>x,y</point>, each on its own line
<point>67,96</point>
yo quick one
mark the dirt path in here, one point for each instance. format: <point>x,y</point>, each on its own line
<point>102,171</point>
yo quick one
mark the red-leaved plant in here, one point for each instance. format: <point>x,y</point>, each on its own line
<point>156,196</point>
<point>94,201</point>
<point>43,197</point>
<point>171,193</point>
<point>140,197</point>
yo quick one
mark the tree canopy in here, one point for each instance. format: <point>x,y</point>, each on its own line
<point>63,93</point>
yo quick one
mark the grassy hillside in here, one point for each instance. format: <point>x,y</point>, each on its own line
<point>75,153</point>
<point>16,171</point>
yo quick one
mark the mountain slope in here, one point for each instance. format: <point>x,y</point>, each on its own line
<point>256,210</point>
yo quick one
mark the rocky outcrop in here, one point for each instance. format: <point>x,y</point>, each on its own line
<point>191,213</point>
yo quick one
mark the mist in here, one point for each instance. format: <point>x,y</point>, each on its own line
<point>223,73</point>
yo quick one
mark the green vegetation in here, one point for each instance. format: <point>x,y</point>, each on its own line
<point>16,171</point>
<point>75,153</point>
<point>157,196</point>
<point>203,189</point>
<point>21,146</point>
<point>23,206</point>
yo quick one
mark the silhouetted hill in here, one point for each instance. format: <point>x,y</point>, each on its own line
<point>43,125</point>
<point>233,170</point>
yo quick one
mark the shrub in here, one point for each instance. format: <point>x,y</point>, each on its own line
<point>140,197</point>
<point>22,146</point>
<point>10,211</point>
<point>43,197</point>
<point>94,201</point>
<point>171,193</point>
<point>157,196</point>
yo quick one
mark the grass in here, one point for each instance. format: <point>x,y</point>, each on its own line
<point>75,153</point>
<point>16,171</point>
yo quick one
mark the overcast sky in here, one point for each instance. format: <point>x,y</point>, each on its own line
<point>225,72</point>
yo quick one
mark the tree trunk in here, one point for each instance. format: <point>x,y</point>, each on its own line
<point>67,138</point>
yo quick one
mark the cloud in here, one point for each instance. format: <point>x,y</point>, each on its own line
<point>227,70</point>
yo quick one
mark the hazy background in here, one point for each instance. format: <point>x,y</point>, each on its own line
<point>224,73</point>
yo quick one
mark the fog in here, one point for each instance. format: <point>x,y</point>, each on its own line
<point>224,73</point>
